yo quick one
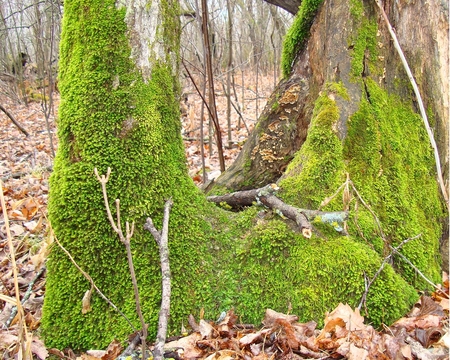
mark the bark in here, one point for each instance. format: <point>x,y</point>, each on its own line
<point>327,57</point>
<point>288,5</point>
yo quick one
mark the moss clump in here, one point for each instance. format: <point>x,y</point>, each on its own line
<point>283,269</point>
<point>390,160</point>
<point>298,33</point>
<point>318,167</point>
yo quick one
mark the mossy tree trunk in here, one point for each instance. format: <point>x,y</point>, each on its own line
<point>343,48</point>
<point>118,109</point>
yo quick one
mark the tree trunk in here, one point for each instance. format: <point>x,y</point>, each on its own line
<point>119,110</point>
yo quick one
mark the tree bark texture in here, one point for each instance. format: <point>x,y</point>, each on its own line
<point>422,31</point>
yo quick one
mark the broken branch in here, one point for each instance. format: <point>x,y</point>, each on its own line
<point>266,197</point>
<point>14,121</point>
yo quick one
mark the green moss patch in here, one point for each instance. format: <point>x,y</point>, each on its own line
<point>297,34</point>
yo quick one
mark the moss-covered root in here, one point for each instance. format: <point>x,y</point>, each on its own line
<point>284,270</point>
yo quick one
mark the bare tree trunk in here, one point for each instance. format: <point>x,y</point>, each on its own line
<point>212,99</point>
<point>229,70</point>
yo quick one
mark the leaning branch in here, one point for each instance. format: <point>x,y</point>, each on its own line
<point>14,121</point>
<point>266,196</point>
<point>419,101</point>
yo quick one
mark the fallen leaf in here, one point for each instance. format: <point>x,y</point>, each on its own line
<point>38,348</point>
<point>353,320</point>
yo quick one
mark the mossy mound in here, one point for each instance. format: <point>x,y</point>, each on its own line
<point>312,276</point>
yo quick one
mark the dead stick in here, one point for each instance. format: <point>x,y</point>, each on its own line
<point>15,122</point>
<point>161,239</point>
<point>266,197</point>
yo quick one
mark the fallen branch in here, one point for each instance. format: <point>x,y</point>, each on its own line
<point>266,197</point>
<point>125,239</point>
<point>14,121</point>
<point>161,239</point>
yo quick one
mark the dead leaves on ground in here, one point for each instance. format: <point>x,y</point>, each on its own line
<point>421,335</point>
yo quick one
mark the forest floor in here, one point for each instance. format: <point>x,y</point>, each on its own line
<point>25,167</point>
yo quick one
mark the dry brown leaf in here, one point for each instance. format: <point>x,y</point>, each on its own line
<point>16,229</point>
<point>330,327</point>
<point>113,351</point>
<point>422,322</point>
<point>222,355</point>
<point>353,319</point>
<point>38,348</point>
<point>205,328</point>
<point>254,337</point>
<point>272,316</point>
<point>356,353</point>
<point>188,345</point>
<point>86,302</point>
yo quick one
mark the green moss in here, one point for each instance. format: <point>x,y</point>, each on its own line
<point>298,33</point>
<point>391,162</point>
<point>283,269</point>
<point>363,43</point>
<point>338,88</point>
<point>317,168</point>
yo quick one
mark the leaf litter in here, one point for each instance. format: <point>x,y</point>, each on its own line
<point>25,166</point>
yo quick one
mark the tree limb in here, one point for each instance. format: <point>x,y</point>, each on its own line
<point>266,197</point>
<point>161,238</point>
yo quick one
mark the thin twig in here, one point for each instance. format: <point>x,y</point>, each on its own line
<point>24,350</point>
<point>125,239</point>
<point>419,101</point>
<point>91,281</point>
<point>25,297</point>
<point>370,210</point>
<point>385,261</point>
<point>415,268</point>
<point>86,275</point>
